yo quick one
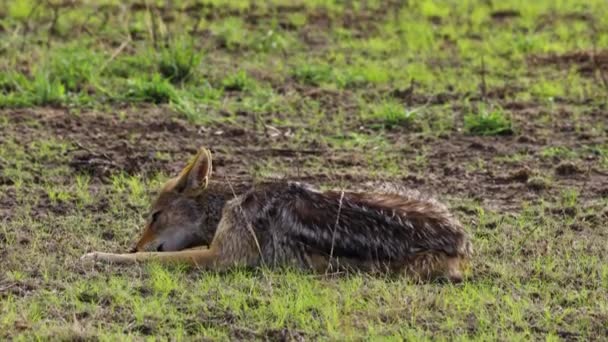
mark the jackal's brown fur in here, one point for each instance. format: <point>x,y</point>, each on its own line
<point>292,224</point>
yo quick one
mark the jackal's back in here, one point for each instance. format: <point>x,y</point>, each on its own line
<point>295,221</point>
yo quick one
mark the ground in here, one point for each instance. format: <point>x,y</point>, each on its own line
<point>499,109</point>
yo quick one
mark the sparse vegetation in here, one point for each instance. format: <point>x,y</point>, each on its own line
<point>392,114</point>
<point>238,81</point>
<point>488,122</point>
<point>179,61</point>
<point>498,108</point>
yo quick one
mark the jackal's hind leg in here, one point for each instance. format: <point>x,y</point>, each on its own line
<point>435,266</point>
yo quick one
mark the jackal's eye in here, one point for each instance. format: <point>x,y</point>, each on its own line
<point>155,216</point>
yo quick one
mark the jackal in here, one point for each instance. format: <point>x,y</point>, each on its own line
<point>292,224</point>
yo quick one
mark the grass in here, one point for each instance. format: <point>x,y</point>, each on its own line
<point>156,90</point>
<point>473,101</point>
<point>179,61</point>
<point>488,122</point>
<point>392,113</point>
<point>313,74</point>
<point>238,81</point>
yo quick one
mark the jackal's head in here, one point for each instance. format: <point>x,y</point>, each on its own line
<point>176,216</point>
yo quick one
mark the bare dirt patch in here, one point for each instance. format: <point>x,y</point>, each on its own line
<point>151,140</point>
<point>586,62</point>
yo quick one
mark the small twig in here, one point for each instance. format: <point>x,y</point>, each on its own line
<point>333,235</point>
<point>525,238</point>
<point>252,231</point>
<point>599,172</point>
<point>7,287</point>
<point>115,54</point>
<point>104,155</point>
<point>249,227</point>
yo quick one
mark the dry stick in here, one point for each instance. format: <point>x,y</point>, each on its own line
<point>255,238</point>
<point>249,227</point>
<point>115,54</point>
<point>333,235</point>
<point>525,238</point>
<point>7,287</point>
<point>103,154</point>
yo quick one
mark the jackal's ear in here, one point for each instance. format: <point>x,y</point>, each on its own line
<point>195,176</point>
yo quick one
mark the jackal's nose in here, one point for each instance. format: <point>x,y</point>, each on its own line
<point>132,249</point>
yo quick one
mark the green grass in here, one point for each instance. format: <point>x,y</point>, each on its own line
<point>454,98</point>
<point>488,122</point>
<point>313,74</point>
<point>392,113</point>
<point>179,61</point>
<point>238,81</point>
<point>549,292</point>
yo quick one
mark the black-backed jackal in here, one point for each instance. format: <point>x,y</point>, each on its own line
<point>292,224</point>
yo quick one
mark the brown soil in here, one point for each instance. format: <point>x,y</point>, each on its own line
<point>456,165</point>
<point>586,62</point>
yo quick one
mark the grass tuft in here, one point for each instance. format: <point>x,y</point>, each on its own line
<point>156,90</point>
<point>230,33</point>
<point>484,122</point>
<point>44,90</point>
<point>238,81</point>
<point>178,61</point>
<point>392,113</point>
<point>313,74</point>
<point>73,67</point>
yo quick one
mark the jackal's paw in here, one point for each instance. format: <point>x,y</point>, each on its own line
<point>108,257</point>
<point>93,256</point>
<point>98,256</point>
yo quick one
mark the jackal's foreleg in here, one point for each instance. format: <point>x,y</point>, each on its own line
<point>206,258</point>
